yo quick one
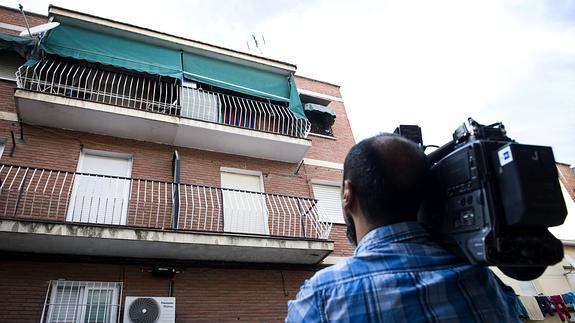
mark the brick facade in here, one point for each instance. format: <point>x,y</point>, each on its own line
<point>567,178</point>
<point>203,293</point>
<point>14,17</point>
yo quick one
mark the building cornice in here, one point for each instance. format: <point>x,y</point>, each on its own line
<point>62,12</point>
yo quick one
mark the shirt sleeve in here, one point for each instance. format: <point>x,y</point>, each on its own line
<point>304,308</point>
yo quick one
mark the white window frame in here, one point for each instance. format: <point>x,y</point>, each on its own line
<point>528,288</point>
<point>325,217</point>
<point>241,171</point>
<point>83,291</point>
<point>2,146</point>
<point>244,172</point>
<point>103,153</point>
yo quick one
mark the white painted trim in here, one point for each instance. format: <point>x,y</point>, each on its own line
<point>120,241</point>
<point>319,95</point>
<point>321,136</point>
<point>11,27</point>
<point>241,171</point>
<point>170,38</point>
<point>8,116</point>
<point>8,79</point>
<point>325,182</point>
<point>322,163</point>
<point>77,103</point>
<point>332,260</point>
<point>105,153</point>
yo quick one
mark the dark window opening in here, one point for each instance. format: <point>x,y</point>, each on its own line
<point>321,123</point>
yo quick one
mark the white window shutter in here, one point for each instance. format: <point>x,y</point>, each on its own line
<point>329,202</point>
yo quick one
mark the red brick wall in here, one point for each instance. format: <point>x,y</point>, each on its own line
<point>325,148</point>
<point>59,149</point>
<point>14,17</point>
<point>202,294</point>
<point>567,177</point>
<point>7,96</point>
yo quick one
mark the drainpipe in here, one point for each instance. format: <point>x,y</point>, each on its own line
<point>176,189</point>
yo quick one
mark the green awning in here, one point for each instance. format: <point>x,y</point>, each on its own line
<point>107,49</point>
<point>319,108</point>
<point>295,105</point>
<point>236,77</point>
<point>15,43</point>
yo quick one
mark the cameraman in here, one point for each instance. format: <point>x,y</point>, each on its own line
<point>396,273</point>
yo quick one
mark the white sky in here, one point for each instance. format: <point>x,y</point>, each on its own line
<point>432,63</point>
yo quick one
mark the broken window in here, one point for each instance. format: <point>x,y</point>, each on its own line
<point>321,118</point>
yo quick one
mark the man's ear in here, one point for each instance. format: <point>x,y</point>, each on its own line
<point>347,195</point>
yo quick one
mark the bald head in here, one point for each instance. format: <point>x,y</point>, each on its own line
<point>387,174</point>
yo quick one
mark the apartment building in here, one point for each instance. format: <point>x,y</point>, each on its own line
<point>140,164</point>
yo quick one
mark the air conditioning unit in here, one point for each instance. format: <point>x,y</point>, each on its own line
<point>150,309</point>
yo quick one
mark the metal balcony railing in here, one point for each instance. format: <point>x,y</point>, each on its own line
<point>61,196</point>
<point>157,95</point>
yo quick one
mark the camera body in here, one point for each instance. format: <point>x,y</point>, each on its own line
<point>491,201</point>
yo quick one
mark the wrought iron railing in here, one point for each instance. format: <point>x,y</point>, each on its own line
<point>62,196</point>
<point>86,83</point>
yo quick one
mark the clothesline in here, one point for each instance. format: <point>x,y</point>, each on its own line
<point>537,307</point>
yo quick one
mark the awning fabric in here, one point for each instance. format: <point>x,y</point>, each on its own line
<point>319,108</point>
<point>15,43</point>
<point>84,44</point>
<point>107,49</point>
<point>235,77</point>
<point>243,79</point>
<point>295,105</point>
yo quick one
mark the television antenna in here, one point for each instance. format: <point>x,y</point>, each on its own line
<point>256,43</point>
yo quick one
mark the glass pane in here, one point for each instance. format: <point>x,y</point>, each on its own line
<point>98,306</point>
<point>64,306</point>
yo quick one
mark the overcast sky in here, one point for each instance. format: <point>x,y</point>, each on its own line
<point>431,63</point>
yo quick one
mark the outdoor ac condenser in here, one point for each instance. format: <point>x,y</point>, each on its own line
<point>150,309</point>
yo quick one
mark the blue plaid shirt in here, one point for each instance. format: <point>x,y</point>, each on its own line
<point>397,274</point>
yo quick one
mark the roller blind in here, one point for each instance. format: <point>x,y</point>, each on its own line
<point>99,47</point>
<point>329,203</point>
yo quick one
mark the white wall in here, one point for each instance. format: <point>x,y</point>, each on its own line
<point>567,230</point>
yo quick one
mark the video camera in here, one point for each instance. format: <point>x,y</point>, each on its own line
<point>491,200</point>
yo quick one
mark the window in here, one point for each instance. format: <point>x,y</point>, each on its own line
<point>101,192</point>
<point>245,210</point>
<point>319,114</point>
<point>321,118</point>
<point>9,63</point>
<point>1,148</point>
<point>329,202</point>
<point>528,288</point>
<point>82,302</point>
<point>320,123</point>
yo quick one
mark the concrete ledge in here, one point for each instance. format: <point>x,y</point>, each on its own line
<point>86,116</point>
<point>332,260</point>
<point>80,239</point>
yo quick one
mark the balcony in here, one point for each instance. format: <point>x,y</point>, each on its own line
<point>59,212</point>
<point>90,99</point>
